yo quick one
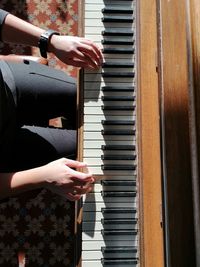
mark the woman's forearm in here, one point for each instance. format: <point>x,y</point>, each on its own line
<point>18,182</point>
<point>16,30</point>
<point>59,176</point>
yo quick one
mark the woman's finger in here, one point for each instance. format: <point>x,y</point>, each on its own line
<point>74,174</point>
<point>81,190</point>
<point>91,54</point>
<point>77,62</point>
<point>72,197</point>
<point>75,163</point>
<point>81,182</point>
<point>96,48</point>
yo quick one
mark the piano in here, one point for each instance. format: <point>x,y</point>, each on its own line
<point>132,138</point>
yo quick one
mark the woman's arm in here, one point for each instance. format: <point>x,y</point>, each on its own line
<point>16,30</point>
<point>72,50</point>
<point>75,51</point>
<point>15,183</point>
<point>58,176</point>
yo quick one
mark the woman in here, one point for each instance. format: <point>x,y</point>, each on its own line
<point>34,155</point>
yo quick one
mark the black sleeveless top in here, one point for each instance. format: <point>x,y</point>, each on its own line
<point>3,15</point>
<point>7,113</point>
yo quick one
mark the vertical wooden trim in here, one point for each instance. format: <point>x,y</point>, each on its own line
<point>151,241</point>
<point>80,125</point>
<point>193,24</point>
<point>175,133</point>
<point>80,89</point>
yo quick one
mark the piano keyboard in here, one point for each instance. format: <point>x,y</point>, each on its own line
<point>110,213</point>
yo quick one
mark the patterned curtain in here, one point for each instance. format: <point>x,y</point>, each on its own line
<point>39,224</point>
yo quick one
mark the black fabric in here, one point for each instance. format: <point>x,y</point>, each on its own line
<point>7,114</point>
<point>42,93</point>
<point>34,146</point>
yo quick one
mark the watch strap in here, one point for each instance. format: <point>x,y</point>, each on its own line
<point>44,41</point>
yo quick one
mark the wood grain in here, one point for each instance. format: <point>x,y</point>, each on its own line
<point>151,253</point>
<point>174,84</point>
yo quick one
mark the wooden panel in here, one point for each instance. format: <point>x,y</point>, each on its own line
<point>149,136</point>
<point>193,24</point>
<point>175,134</point>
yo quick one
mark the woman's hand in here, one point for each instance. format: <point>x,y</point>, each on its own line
<point>63,179</point>
<point>76,51</point>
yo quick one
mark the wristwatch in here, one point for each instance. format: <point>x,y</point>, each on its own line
<point>44,41</point>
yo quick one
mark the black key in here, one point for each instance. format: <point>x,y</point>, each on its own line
<point>120,249</point>
<point>119,252</point>
<point>118,194</point>
<point>121,108</point>
<point>118,157</point>
<point>116,19</point>
<point>118,50</point>
<point>117,32</point>
<point>117,42</point>
<point>118,147</point>
<point>118,183</point>
<point>118,74</point>
<point>119,232</point>
<point>117,122</point>
<point>119,210</point>
<point>117,10</point>
<point>118,167</point>
<point>119,221</point>
<point>118,132</point>
<point>118,88</point>
<point>118,65</point>
<point>118,98</point>
<point>116,262</point>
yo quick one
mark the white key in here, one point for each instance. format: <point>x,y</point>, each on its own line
<point>98,118</point>
<point>93,94</point>
<point>95,85</point>
<point>97,144</point>
<point>97,197</point>
<point>99,264</point>
<point>98,226</point>
<point>89,206</point>
<point>98,188</point>
<point>105,2</point>
<point>98,110</point>
<point>96,170</point>
<point>98,127</point>
<point>93,245</point>
<point>99,136</point>
<point>94,6</point>
<point>99,103</point>
<point>98,216</point>
<point>97,254</point>
<point>98,236</point>
<point>89,77</point>
<point>93,153</point>
<point>98,162</point>
<point>91,23</point>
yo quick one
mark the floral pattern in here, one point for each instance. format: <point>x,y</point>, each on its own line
<point>37,227</point>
